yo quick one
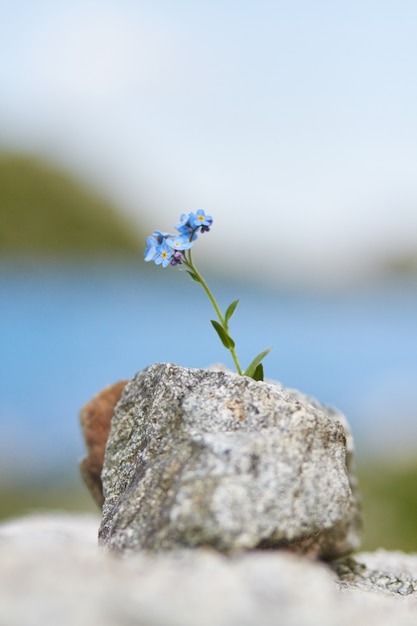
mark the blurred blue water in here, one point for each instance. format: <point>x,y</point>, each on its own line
<point>67,331</point>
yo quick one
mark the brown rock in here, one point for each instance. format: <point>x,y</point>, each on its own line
<point>95,419</point>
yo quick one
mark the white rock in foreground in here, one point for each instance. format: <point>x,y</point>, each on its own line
<point>210,458</point>
<point>52,573</point>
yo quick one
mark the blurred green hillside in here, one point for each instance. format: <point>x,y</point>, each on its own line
<point>403,265</point>
<point>44,211</point>
<point>389,500</point>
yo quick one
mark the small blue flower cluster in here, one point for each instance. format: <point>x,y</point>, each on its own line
<point>166,249</point>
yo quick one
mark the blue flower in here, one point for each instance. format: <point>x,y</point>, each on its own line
<point>181,242</point>
<point>191,223</point>
<point>200,219</point>
<point>183,222</point>
<point>152,242</point>
<point>150,251</point>
<point>163,254</point>
<point>184,228</point>
<point>160,237</point>
<point>165,248</point>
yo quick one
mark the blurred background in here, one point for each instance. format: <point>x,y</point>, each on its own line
<point>294,124</point>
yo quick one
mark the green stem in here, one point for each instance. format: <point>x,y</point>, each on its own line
<point>188,261</point>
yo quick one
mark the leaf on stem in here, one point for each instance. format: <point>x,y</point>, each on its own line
<point>258,374</point>
<point>251,369</point>
<point>225,338</point>
<point>230,310</point>
<point>193,276</point>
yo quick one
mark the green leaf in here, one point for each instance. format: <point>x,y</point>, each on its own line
<point>259,372</point>
<point>193,276</point>
<point>250,370</point>
<point>230,310</point>
<point>226,340</point>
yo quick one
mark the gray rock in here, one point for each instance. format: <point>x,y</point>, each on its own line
<point>210,458</point>
<point>51,572</point>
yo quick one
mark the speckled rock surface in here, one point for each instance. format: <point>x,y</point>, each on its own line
<point>210,458</point>
<point>393,573</point>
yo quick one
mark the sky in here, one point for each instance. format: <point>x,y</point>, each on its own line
<point>294,124</point>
